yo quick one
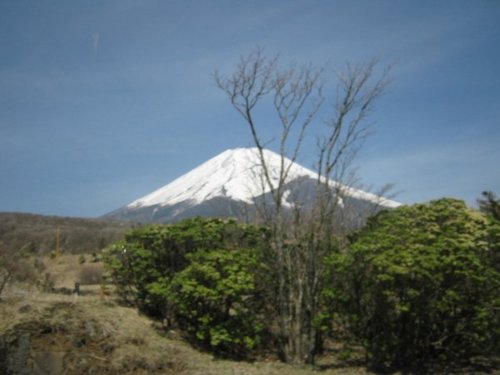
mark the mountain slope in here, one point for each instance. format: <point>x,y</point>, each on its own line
<point>228,185</point>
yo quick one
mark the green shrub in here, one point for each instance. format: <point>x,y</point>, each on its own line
<point>420,285</point>
<point>153,266</point>
<point>215,299</point>
<point>132,268</point>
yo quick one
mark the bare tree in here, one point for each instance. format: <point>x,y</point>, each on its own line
<point>300,240</point>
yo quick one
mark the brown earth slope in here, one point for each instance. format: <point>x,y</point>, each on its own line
<point>55,334</point>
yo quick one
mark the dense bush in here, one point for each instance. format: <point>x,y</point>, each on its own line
<point>215,299</point>
<point>182,272</point>
<point>420,284</point>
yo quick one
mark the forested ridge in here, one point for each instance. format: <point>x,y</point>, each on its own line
<point>40,234</point>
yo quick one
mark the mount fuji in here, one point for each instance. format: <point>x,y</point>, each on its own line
<point>229,185</point>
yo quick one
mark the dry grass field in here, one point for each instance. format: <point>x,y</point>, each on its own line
<point>53,333</point>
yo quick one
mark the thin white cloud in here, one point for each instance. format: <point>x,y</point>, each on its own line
<point>96,38</point>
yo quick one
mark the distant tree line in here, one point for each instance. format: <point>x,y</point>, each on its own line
<point>39,234</point>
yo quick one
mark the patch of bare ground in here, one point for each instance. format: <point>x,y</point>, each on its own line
<point>54,333</point>
<point>79,335</point>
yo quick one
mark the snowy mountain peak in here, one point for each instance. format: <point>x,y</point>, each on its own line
<point>235,174</point>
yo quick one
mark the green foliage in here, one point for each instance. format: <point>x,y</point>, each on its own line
<point>420,285</point>
<point>215,298</point>
<point>183,271</point>
<point>132,269</point>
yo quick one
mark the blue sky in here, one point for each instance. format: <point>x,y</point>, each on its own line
<point>102,102</point>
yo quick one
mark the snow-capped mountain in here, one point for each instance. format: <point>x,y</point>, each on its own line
<point>228,185</point>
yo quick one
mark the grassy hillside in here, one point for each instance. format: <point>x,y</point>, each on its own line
<point>39,234</point>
